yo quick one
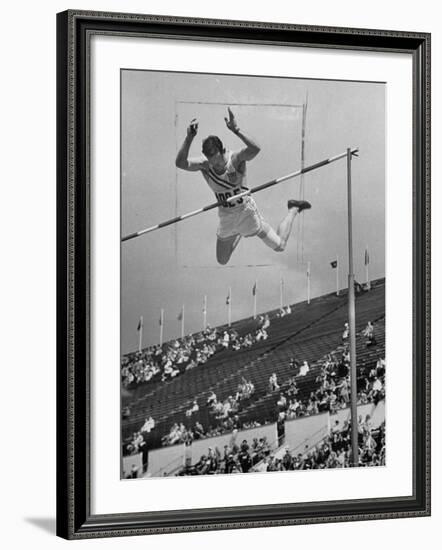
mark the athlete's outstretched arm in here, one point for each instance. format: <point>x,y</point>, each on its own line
<point>251,149</point>
<point>182,161</point>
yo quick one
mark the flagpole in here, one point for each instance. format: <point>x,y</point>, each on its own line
<point>308,282</point>
<point>301,218</point>
<point>352,322</point>
<point>140,334</point>
<point>229,310</point>
<point>254,299</point>
<point>205,312</point>
<point>161,326</point>
<point>337,275</point>
<point>182,322</point>
<point>367,261</point>
<point>281,286</point>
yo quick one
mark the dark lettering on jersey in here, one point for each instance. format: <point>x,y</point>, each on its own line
<point>222,198</point>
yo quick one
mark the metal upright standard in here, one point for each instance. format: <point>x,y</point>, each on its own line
<point>352,322</point>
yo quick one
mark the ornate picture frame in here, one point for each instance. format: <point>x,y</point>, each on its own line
<point>75,218</point>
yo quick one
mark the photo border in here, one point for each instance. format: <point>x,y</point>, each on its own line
<point>74,31</point>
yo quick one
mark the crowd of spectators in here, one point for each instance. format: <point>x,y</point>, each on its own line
<point>234,458</point>
<point>179,433</point>
<point>334,451</point>
<point>371,387</point>
<point>174,358</point>
<point>225,408</point>
<point>138,443</point>
<point>225,416</point>
<point>333,379</point>
<point>331,394</point>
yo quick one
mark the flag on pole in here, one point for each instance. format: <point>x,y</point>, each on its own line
<point>205,312</point>
<point>366,262</point>
<point>229,306</point>
<point>254,291</point>
<point>180,317</point>
<point>228,298</point>
<point>334,264</point>
<point>281,292</point>
<point>161,323</point>
<point>140,333</point>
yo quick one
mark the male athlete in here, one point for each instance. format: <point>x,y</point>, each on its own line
<point>225,172</point>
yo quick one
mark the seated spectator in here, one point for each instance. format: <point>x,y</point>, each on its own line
<point>211,400</point>
<point>198,430</point>
<point>369,334</point>
<point>273,382</point>
<point>282,401</point>
<point>380,367</point>
<point>359,288</point>
<point>261,334</point>
<point>133,474</point>
<point>226,339</point>
<point>312,408</point>
<point>193,409</point>
<point>148,425</point>
<point>304,369</point>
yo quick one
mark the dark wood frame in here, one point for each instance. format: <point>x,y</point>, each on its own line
<point>74,518</point>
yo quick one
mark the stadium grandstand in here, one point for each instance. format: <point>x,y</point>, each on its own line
<point>263,394</point>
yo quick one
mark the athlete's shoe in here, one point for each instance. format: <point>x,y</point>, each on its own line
<point>300,205</point>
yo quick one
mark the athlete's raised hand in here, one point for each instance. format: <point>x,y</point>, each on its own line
<point>192,129</point>
<point>231,121</point>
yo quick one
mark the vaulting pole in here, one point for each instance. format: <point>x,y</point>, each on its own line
<point>236,197</point>
<point>352,322</point>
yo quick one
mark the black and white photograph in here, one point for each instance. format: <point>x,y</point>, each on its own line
<point>252,274</point>
<point>223,256</point>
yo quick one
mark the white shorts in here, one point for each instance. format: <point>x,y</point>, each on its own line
<point>245,221</point>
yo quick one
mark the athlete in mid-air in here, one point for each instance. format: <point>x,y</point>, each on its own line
<point>225,172</point>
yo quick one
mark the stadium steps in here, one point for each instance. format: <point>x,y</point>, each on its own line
<point>366,359</point>
<point>322,320</point>
<point>231,389</point>
<point>230,373</point>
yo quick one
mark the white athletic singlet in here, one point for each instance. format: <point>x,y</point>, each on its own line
<point>230,182</point>
<point>238,217</point>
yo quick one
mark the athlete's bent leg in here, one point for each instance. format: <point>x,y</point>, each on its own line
<point>269,237</point>
<point>225,248</point>
<point>278,240</point>
<point>285,227</point>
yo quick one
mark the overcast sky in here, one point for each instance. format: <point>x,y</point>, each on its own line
<point>176,265</point>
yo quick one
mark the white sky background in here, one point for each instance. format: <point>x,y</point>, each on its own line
<point>156,108</point>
